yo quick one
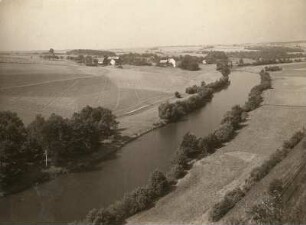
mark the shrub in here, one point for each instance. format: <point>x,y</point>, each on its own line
<point>175,172</point>
<point>255,98</point>
<point>174,111</point>
<point>276,188</point>
<point>158,184</point>
<point>225,132</point>
<point>229,201</point>
<point>189,63</point>
<point>14,148</point>
<point>215,56</point>
<point>192,90</point>
<point>294,140</point>
<point>272,68</point>
<point>171,111</point>
<point>219,84</point>
<point>180,159</point>
<point>234,117</point>
<point>177,94</point>
<point>138,200</point>
<point>190,144</point>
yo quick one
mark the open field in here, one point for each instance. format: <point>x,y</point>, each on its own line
<point>36,88</point>
<point>210,178</point>
<point>292,171</point>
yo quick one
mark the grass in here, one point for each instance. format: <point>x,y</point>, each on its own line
<point>231,198</point>
<point>36,88</point>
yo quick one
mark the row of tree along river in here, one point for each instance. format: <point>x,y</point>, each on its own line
<point>69,197</point>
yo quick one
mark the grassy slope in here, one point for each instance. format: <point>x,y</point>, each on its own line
<point>212,177</point>
<point>133,93</point>
<point>289,170</point>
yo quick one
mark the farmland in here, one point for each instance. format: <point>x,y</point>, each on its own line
<point>63,88</point>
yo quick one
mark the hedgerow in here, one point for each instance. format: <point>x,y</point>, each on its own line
<point>258,173</point>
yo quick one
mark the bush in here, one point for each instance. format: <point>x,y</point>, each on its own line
<point>14,150</point>
<point>234,117</point>
<point>192,90</point>
<point>158,184</point>
<point>138,200</point>
<point>224,133</point>
<point>180,159</point>
<point>177,171</point>
<point>101,217</point>
<point>294,140</point>
<point>229,201</point>
<point>189,63</point>
<point>255,98</point>
<point>171,111</point>
<point>219,84</point>
<point>210,143</point>
<point>215,56</point>
<point>174,111</point>
<point>177,94</point>
<point>276,188</point>
<point>272,68</point>
<point>190,145</point>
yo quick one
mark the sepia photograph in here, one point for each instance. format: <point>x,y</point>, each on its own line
<point>152,112</point>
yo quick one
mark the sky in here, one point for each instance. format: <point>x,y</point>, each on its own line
<point>107,24</point>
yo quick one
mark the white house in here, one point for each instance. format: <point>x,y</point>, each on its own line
<point>112,62</point>
<point>172,62</point>
<point>163,61</point>
<point>100,61</point>
<point>169,61</point>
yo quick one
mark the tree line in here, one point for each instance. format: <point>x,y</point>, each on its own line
<point>59,139</point>
<point>255,215</point>
<point>193,147</point>
<point>159,184</point>
<point>140,199</point>
<point>171,112</point>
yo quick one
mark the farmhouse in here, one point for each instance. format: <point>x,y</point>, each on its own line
<point>113,60</point>
<point>167,62</point>
<point>100,61</point>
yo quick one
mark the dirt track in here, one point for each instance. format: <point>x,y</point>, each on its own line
<point>211,177</point>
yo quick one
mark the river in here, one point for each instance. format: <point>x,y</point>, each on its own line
<point>69,197</point>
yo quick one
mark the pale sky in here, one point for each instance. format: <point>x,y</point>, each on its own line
<point>104,24</point>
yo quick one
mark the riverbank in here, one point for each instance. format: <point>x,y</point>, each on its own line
<point>210,178</point>
<point>146,122</point>
<point>71,196</point>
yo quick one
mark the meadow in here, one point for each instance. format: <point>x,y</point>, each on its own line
<point>64,88</point>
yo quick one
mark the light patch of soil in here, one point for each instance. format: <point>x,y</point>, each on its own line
<point>211,177</point>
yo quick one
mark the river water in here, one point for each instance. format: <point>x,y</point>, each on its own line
<point>69,197</point>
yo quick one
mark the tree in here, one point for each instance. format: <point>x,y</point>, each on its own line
<point>158,183</point>
<point>215,56</point>
<point>189,63</point>
<point>241,62</point>
<point>101,118</point>
<point>190,144</point>
<point>51,51</point>
<point>12,150</point>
